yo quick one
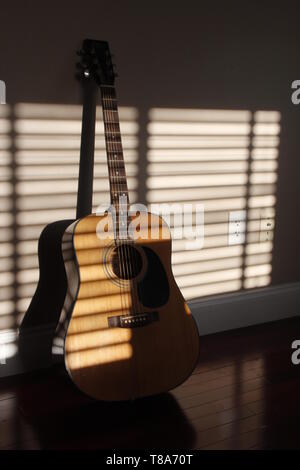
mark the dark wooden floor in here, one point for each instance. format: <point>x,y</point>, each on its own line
<point>244,394</point>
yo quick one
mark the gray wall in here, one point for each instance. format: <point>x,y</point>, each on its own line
<point>168,53</point>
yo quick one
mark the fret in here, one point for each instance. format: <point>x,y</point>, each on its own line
<point>110,111</point>
<point>113,160</point>
<point>112,132</point>
<point>125,219</point>
<point>110,149</point>
<point>117,149</point>
<point>118,211</point>
<point>121,214</point>
<point>117,171</point>
<point>113,141</point>
<point>112,128</point>
<point>116,161</point>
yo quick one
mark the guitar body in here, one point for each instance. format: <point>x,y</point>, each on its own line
<point>125,336</point>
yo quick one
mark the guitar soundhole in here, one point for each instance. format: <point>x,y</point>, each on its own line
<point>126,261</point>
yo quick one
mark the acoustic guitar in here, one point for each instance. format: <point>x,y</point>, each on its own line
<point>127,331</point>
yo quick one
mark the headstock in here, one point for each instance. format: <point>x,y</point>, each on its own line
<point>96,62</point>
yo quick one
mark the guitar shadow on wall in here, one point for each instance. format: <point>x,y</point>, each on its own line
<point>38,326</point>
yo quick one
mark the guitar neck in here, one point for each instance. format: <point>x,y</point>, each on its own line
<point>114,149</point>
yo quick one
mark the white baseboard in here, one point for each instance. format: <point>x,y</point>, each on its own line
<point>241,309</point>
<point>212,315</point>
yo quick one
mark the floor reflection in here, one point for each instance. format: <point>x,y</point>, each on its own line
<point>62,417</point>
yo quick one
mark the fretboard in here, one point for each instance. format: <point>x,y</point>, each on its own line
<point>114,149</point>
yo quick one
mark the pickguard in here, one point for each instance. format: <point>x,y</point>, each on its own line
<point>153,289</point>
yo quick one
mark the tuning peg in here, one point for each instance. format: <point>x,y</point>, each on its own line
<point>83,72</point>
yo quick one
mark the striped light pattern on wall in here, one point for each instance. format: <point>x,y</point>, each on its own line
<point>225,159</point>
<point>7,239</point>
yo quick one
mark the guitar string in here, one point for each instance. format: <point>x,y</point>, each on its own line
<point>123,251</point>
<point>125,247</point>
<point>115,187</point>
<point>107,118</point>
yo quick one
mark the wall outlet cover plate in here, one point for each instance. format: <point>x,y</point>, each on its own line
<point>237,227</point>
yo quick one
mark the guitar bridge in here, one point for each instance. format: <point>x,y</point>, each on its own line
<point>133,321</point>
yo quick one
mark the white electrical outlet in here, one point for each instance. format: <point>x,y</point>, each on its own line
<point>266,227</point>
<point>237,227</point>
